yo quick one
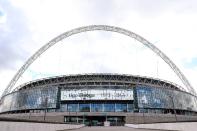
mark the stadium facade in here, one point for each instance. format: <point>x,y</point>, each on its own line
<point>99,97</point>
<point>93,99</point>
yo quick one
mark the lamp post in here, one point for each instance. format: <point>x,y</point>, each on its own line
<point>143,114</point>
<point>142,110</point>
<point>29,114</point>
<point>45,103</point>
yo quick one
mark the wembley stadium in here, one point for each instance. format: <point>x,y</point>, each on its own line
<point>96,98</point>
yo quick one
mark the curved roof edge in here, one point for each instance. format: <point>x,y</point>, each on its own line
<point>138,79</point>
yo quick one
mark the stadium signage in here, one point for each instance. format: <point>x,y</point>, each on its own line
<point>97,94</point>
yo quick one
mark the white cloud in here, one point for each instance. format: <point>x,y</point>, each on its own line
<point>2,18</point>
<point>170,25</point>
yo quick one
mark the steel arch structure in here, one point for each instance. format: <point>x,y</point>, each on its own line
<point>103,28</point>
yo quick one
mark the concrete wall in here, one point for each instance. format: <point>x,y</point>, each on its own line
<point>26,126</point>
<point>130,118</point>
<point>182,126</point>
<point>140,118</point>
<point>50,117</point>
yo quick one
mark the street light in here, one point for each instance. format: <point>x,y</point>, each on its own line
<point>45,103</point>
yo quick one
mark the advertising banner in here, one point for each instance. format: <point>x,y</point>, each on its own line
<point>97,94</point>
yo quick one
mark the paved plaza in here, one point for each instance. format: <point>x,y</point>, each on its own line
<point>119,128</point>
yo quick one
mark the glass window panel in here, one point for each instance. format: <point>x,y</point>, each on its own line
<point>121,107</point>
<point>63,107</point>
<point>130,107</point>
<point>96,107</point>
<point>84,107</point>
<point>109,107</point>
<point>149,97</point>
<point>70,119</point>
<point>154,98</point>
<point>73,107</point>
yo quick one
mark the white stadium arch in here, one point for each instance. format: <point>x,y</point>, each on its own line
<point>62,36</point>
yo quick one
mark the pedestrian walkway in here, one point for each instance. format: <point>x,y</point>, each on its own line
<point>110,128</point>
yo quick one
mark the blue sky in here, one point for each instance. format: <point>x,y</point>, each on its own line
<point>27,25</point>
<point>1,13</point>
<point>192,63</point>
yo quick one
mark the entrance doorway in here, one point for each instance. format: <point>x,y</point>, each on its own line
<point>97,120</point>
<point>94,120</point>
